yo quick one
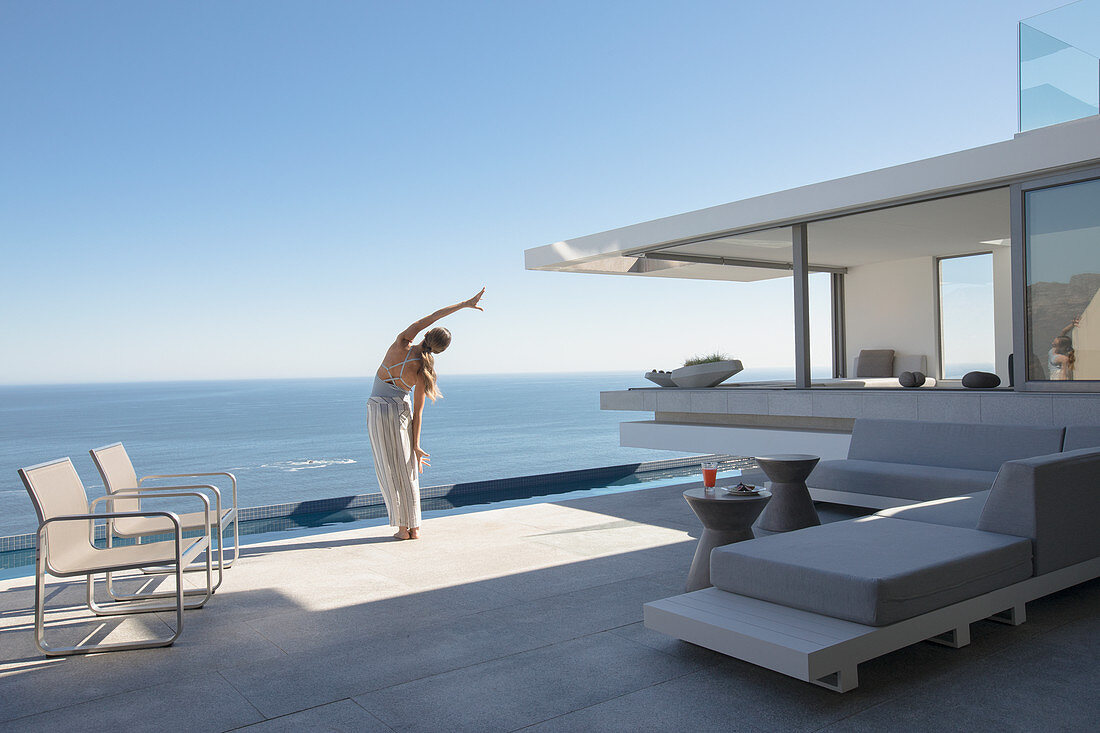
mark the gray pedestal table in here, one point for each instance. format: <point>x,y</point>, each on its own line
<point>791,506</point>
<point>726,519</point>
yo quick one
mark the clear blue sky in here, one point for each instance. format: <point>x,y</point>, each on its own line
<point>194,190</point>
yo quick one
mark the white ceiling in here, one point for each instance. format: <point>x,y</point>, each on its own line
<point>950,226</point>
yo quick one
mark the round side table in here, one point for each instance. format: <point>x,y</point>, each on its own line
<point>726,519</point>
<point>791,508</point>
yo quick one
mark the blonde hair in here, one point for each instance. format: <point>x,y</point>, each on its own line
<point>434,341</point>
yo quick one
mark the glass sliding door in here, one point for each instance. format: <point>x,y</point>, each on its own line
<point>1062,255</point>
<point>966,315</point>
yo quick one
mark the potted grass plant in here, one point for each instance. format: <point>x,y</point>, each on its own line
<point>706,370</point>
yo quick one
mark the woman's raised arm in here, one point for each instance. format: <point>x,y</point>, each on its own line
<point>410,333</point>
<point>1072,325</point>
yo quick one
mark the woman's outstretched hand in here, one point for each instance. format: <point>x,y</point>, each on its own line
<point>423,460</point>
<point>473,302</point>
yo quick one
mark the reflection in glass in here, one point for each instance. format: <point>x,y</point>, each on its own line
<point>966,315</point>
<point>1062,241</point>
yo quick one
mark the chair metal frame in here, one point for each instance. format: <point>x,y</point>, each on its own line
<point>206,592</point>
<point>222,520</point>
<point>43,567</point>
<point>230,516</point>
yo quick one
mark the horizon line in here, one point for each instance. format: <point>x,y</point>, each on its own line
<point>335,377</point>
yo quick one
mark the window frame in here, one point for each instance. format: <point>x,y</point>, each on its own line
<point>1018,211</point>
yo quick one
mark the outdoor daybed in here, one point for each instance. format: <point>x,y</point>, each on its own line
<point>816,602</point>
<point>897,462</point>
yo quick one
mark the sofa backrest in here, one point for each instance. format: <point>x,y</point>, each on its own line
<point>1082,436</point>
<point>1054,500</point>
<point>950,445</point>
<point>902,363</point>
<point>910,363</point>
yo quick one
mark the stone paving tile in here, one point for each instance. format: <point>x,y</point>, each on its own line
<point>69,629</point>
<point>587,611</point>
<point>526,688</point>
<point>1026,687</point>
<point>772,701</point>
<point>344,716</point>
<point>313,678</point>
<point>36,683</point>
<point>360,621</point>
<point>683,704</point>
<point>1076,637</point>
<point>590,572</point>
<point>197,703</point>
<point>611,538</point>
<point>637,632</point>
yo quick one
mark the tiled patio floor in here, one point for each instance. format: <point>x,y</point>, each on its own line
<point>516,617</point>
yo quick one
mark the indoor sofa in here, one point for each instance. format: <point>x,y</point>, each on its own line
<point>816,602</point>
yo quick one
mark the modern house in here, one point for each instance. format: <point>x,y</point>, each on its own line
<point>1025,212</point>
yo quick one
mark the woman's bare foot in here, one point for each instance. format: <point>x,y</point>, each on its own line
<point>414,533</point>
<point>403,534</point>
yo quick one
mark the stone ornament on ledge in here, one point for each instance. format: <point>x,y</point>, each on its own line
<point>912,379</point>
<point>980,380</point>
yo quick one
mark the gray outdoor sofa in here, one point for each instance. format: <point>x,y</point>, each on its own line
<point>816,602</point>
<point>897,462</point>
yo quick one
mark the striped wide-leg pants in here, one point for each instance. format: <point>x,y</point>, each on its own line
<point>389,422</point>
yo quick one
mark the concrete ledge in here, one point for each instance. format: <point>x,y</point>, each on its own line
<point>933,405</point>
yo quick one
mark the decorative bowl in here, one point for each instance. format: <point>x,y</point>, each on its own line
<point>664,379</point>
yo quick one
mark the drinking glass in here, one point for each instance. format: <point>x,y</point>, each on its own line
<point>710,475</point>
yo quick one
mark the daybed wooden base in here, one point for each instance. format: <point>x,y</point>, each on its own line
<point>825,650</point>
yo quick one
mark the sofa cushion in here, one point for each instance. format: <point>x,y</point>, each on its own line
<point>899,480</point>
<point>953,511</point>
<point>952,445</point>
<point>872,570</point>
<point>1054,500</point>
<point>1082,436</point>
<point>875,363</point>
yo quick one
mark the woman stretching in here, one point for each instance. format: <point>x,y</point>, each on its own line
<point>393,420</point>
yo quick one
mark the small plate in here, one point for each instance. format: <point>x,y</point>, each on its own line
<point>735,492</point>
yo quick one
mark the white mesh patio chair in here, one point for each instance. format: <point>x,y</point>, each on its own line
<point>65,547</point>
<point>119,477</point>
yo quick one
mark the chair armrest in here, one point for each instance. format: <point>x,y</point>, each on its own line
<point>172,516</point>
<point>141,490</point>
<point>159,495</point>
<point>193,475</point>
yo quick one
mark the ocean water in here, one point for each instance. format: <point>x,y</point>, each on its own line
<point>294,440</point>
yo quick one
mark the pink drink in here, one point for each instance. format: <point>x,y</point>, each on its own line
<point>710,477</point>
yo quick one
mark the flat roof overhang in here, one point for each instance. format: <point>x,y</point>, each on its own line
<point>947,205</point>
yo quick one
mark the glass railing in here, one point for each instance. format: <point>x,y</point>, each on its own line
<point>1059,72</point>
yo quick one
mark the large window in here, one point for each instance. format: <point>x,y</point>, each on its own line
<point>966,315</point>
<point>1062,251</point>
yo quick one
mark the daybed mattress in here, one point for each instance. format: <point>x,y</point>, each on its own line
<point>873,570</point>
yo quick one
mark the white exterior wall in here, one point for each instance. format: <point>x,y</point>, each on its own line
<point>892,305</point>
<point>732,440</point>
